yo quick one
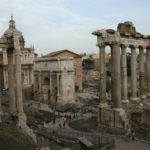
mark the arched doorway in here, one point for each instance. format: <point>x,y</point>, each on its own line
<point>46,89</point>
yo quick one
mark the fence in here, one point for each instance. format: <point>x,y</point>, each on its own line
<point>99,140</point>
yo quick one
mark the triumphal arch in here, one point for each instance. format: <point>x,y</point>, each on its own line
<point>124,38</point>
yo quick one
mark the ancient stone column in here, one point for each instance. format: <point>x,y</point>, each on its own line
<point>142,77</point>
<point>21,114</point>
<point>116,86</point>
<point>102,75</point>
<point>148,71</point>
<point>133,74</point>
<point>11,82</point>
<point>124,91</point>
<point>0,107</point>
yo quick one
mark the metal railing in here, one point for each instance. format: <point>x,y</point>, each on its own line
<point>98,140</point>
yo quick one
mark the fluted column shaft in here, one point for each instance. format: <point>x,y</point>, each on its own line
<point>142,66</point>
<point>124,91</point>
<point>116,84</point>
<point>102,74</point>
<point>11,82</point>
<point>133,73</point>
<point>148,70</point>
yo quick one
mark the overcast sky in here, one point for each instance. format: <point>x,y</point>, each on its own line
<point>67,24</point>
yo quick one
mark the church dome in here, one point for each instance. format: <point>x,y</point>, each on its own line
<point>12,28</point>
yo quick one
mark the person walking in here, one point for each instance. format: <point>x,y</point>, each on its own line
<point>60,125</point>
<point>64,124</point>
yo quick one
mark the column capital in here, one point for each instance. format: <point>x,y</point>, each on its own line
<point>142,47</point>
<point>123,46</point>
<point>100,45</point>
<point>133,46</point>
<point>115,43</point>
<point>148,47</point>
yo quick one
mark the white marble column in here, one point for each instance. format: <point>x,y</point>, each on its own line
<point>124,91</point>
<point>116,78</point>
<point>11,82</point>
<point>21,114</point>
<point>102,75</point>
<point>148,70</point>
<point>133,74</point>
<point>142,74</point>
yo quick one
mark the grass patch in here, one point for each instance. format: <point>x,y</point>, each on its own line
<point>12,138</point>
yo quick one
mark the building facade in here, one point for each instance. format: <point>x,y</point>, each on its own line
<point>27,59</point>
<point>54,80</point>
<point>77,64</point>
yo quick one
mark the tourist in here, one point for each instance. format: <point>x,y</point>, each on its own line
<point>133,135</point>
<point>64,124</point>
<point>60,125</point>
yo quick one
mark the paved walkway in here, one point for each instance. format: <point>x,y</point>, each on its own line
<point>123,144</point>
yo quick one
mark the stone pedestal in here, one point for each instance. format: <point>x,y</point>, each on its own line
<point>113,118</point>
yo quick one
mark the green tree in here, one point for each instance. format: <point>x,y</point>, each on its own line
<point>88,64</point>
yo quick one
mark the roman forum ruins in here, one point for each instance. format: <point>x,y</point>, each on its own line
<point>27,60</point>
<point>125,37</point>
<point>13,42</point>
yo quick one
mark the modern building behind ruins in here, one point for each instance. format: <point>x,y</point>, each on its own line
<point>27,59</point>
<point>77,65</point>
<point>54,80</point>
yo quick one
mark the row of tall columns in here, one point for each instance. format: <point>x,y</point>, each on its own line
<point>119,82</point>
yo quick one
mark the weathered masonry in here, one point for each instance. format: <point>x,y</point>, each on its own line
<point>27,58</point>
<point>12,42</point>
<point>54,80</point>
<point>125,37</point>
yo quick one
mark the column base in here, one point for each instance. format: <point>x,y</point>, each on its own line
<point>148,95</point>
<point>113,118</point>
<point>143,97</point>
<point>134,98</point>
<point>125,101</point>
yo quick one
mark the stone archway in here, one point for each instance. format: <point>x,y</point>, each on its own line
<point>46,89</point>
